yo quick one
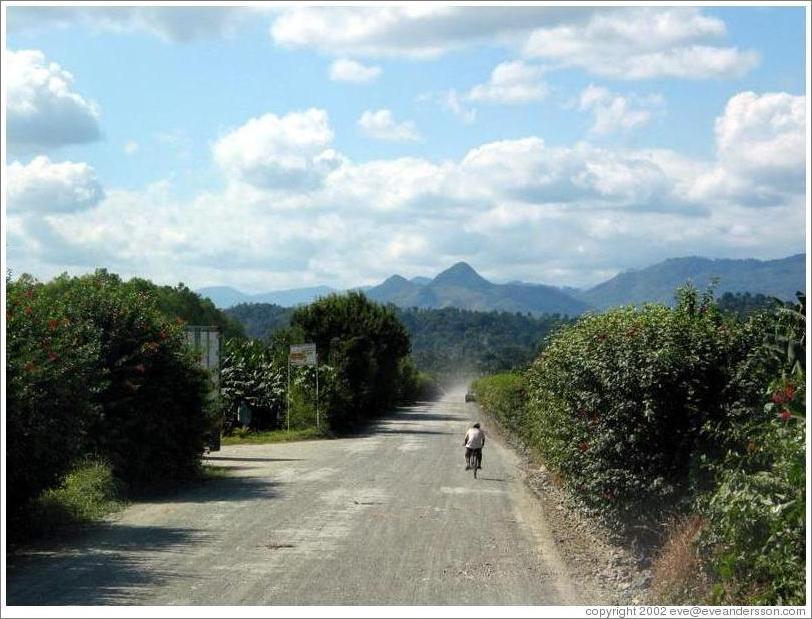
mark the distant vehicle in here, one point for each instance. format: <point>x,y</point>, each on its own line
<point>470,397</point>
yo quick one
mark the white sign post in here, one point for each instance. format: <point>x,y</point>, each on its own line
<point>303,355</point>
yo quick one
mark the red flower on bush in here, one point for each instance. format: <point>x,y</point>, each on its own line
<point>53,323</point>
<point>785,415</point>
<point>53,356</point>
<point>28,309</point>
<point>782,396</point>
<point>583,446</point>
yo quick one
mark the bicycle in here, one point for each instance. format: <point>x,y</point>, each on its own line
<point>475,460</point>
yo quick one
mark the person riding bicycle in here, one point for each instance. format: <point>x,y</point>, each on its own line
<point>473,442</point>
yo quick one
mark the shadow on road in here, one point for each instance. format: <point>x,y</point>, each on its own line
<point>414,416</point>
<point>105,566</point>
<point>253,459</point>
<point>374,431</point>
<point>223,489</point>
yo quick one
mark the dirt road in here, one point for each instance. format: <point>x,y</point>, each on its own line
<point>389,517</point>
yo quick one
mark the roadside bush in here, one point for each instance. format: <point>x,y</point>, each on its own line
<point>617,402</point>
<point>364,343</point>
<point>153,420</point>
<point>414,385</point>
<point>88,492</point>
<point>756,535</point>
<point>96,368</point>
<point>754,542</point>
<point>52,389</point>
<point>504,396</point>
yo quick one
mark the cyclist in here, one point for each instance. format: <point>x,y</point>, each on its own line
<point>473,442</point>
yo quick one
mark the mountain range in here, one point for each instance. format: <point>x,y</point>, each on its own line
<point>462,287</point>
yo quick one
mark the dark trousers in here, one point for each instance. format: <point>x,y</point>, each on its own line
<point>469,452</point>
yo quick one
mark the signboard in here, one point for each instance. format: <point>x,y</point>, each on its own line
<point>206,342</point>
<point>302,354</point>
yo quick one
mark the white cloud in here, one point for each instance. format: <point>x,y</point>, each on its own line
<point>345,70</point>
<point>381,125</point>
<point>624,43</point>
<point>131,147</point>
<point>279,152</point>
<point>645,43</point>
<point>45,187</point>
<point>43,110</point>
<point>562,214</point>
<point>451,102</point>
<point>616,113</point>
<point>169,23</point>
<point>417,30</point>
<point>511,82</point>
<point>761,152</point>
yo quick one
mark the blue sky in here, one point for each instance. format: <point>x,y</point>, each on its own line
<point>276,148</point>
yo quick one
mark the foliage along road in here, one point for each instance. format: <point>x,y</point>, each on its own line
<point>388,517</point>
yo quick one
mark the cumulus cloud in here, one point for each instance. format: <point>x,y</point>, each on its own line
<point>511,82</point>
<point>761,152</point>
<point>345,70</point>
<point>381,125</point>
<point>131,147</point>
<point>517,209</point>
<point>641,44</point>
<point>279,152</point>
<point>46,187</point>
<point>169,23</point>
<point>616,113</point>
<point>42,109</point>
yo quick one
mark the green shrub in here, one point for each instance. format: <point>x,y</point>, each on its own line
<point>756,532</point>
<point>617,402</point>
<point>86,493</point>
<point>754,542</point>
<point>504,396</point>
<point>53,384</point>
<point>363,342</point>
<point>414,385</point>
<point>153,420</point>
<point>96,368</point>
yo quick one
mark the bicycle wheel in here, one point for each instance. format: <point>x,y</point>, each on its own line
<point>475,463</point>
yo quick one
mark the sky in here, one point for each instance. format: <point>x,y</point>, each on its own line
<point>272,147</point>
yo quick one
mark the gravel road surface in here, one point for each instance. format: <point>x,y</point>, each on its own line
<point>387,517</point>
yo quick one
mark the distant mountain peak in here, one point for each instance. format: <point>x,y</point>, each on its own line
<point>461,274</point>
<point>395,279</point>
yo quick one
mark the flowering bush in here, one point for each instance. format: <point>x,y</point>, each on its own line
<point>755,538</point>
<point>94,367</point>
<point>51,389</point>
<point>617,402</point>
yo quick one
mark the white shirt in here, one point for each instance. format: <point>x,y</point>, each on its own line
<point>474,438</point>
